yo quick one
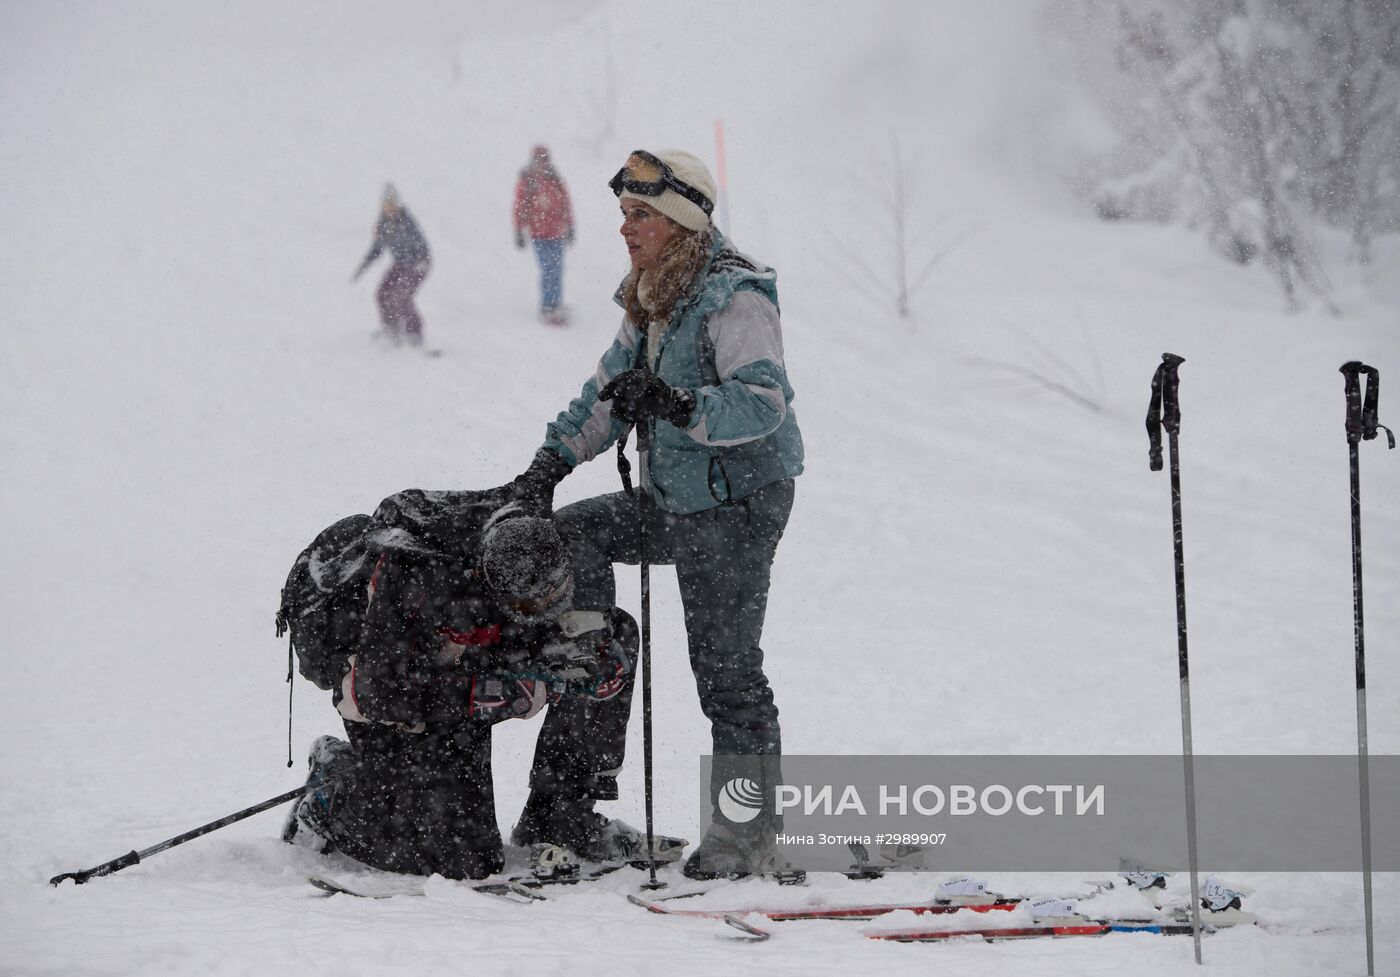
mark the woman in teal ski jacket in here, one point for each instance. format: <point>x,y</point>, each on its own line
<point>699,356</point>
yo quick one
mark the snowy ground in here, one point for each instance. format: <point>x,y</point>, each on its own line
<point>975,564</point>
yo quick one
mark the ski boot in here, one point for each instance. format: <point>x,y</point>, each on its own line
<point>308,823</point>
<point>734,852</point>
<point>588,835</point>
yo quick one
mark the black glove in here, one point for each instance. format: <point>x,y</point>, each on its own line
<point>637,394</point>
<point>534,487</point>
<point>569,238</point>
<point>519,239</point>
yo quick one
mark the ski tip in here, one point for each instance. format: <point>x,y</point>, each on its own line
<point>647,904</point>
<point>361,890</point>
<point>748,929</point>
<point>526,893</point>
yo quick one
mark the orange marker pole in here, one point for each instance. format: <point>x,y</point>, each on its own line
<point>723,175</point>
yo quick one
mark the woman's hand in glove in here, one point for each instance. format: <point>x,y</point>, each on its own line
<point>638,394</point>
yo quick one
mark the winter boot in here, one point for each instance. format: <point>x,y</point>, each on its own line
<point>741,839</point>
<point>308,824</point>
<point>574,825</point>
<point>733,851</point>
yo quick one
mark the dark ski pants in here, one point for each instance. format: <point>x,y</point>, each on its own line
<point>723,558</point>
<point>424,803</point>
<point>420,803</point>
<point>395,296</point>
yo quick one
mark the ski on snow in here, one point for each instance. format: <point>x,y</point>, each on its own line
<point>1177,923</point>
<point>855,913</point>
<point>1066,927</point>
<point>518,885</point>
<point>548,865</point>
<point>734,920</point>
<point>1036,917</point>
<point>957,899</point>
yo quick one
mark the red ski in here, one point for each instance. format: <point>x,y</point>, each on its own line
<point>833,912</point>
<point>1086,927</point>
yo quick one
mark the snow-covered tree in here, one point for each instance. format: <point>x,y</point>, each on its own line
<point>888,200</point>
<point>1351,109</point>
<point>1253,119</point>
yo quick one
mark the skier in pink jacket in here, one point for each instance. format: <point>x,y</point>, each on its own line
<point>542,210</point>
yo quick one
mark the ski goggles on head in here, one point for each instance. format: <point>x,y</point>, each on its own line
<point>647,176</point>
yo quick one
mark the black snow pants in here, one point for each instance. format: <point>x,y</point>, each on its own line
<point>723,558</point>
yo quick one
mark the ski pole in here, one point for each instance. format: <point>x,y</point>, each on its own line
<point>1164,410</point>
<point>135,857</point>
<point>1362,424</point>
<point>644,451</point>
<point>624,468</point>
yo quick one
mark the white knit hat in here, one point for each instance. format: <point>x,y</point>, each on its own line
<point>687,168</point>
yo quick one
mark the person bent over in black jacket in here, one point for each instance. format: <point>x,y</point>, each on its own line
<point>469,623</point>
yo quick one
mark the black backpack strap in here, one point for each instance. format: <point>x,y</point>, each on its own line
<point>730,259</point>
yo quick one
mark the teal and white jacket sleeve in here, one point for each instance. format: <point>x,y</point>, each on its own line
<point>586,427</point>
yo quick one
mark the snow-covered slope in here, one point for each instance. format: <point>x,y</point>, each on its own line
<point>977,562</point>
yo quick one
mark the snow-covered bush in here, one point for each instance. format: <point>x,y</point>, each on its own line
<point>1253,120</point>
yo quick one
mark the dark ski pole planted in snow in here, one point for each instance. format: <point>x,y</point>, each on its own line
<point>1362,424</point>
<point>1165,411</point>
<point>643,450</point>
<point>135,857</point>
<point>624,468</point>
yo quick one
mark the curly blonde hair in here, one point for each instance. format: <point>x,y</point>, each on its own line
<point>651,295</point>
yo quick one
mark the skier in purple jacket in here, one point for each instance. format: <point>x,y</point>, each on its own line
<point>399,232</point>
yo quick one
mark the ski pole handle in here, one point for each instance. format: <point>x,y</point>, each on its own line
<point>1351,370</point>
<point>1164,410</point>
<point>132,857</point>
<point>1363,420</point>
<point>1171,404</point>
